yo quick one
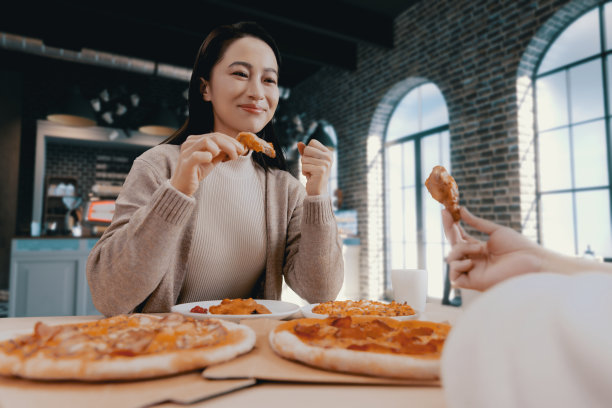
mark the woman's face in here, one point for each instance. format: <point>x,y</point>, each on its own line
<point>243,87</point>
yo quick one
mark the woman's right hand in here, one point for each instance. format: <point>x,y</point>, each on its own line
<point>476,264</point>
<point>199,155</point>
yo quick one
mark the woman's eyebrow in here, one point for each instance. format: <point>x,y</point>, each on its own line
<point>249,66</point>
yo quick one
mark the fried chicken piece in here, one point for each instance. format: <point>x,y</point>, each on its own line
<point>239,307</point>
<point>251,141</point>
<point>443,188</point>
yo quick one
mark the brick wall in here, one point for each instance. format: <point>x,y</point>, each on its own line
<point>481,55</point>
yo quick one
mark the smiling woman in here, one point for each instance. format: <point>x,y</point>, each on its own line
<point>201,217</point>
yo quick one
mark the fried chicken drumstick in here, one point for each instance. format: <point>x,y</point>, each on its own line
<point>252,142</point>
<point>443,188</point>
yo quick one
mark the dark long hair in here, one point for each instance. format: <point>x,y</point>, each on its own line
<point>201,119</point>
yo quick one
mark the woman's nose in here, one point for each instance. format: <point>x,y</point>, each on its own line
<point>255,90</point>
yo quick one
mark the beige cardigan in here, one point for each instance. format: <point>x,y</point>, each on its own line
<point>139,263</point>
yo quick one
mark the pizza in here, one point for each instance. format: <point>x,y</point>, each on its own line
<point>340,308</point>
<point>377,346</point>
<point>443,188</point>
<point>234,307</point>
<point>123,347</point>
<point>253,142</point>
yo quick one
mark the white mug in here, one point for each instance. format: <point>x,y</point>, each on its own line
<point>410,286</point>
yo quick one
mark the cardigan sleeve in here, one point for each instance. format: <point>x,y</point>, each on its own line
<point>314,267</point>
<point>142,244</point>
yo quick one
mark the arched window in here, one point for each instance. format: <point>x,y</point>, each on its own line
<point>416,139</point>
<point>573,108</point>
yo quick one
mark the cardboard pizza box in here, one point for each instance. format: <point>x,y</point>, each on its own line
<point>181,389</point>
<point>263,363</point>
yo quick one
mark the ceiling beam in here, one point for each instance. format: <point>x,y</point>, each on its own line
<point>326,17</point>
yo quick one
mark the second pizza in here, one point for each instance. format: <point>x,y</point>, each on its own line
<point>376,346</point>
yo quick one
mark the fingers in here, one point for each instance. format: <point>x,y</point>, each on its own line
<point>465,250</point>
<point>459,273</point>
<point>482,225</point>
<point>451,229</point>
<point>462,281</point>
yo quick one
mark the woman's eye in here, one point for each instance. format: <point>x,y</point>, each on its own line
<point>270,80</point>
<point>240,74</point>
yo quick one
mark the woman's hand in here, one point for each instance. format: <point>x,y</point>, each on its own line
<point>199,155</point>
<point>475,264</point>
<point>316,165</point>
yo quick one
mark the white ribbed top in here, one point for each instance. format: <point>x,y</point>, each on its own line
<point>228,252</point>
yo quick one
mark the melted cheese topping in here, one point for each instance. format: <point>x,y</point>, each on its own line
<point>370,334</point>
<point>122,335</point>
<point>363,308</point>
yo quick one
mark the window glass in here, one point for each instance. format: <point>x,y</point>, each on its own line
<point>593,222</point>
<point>412,259</point>
<point>395,164</point>
<point>579,40</point>
<point>422,109</point>
<point>405,118</point>
<point>397,255</point>
<point>551,94</point>
<point>408,163</point>
<point>395,215</point>
<point>608,20</point>
<point>609,66</point>
<point>410,218</point>
<point>433,218</point>
<point>435,268</point>
<point>557,226</point>
<point>434,108</point>
<point>590,158</point>
<point>554,160</point>
<point>431,153</point>
<point>586,91</point>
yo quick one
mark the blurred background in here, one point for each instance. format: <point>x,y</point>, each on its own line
<point>513,97</point>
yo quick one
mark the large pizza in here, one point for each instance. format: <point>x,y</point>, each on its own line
<point>123,347</point>
<point>378,346</point>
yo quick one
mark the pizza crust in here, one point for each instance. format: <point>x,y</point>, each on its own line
<point>288,345</point>
<point>241,339</point>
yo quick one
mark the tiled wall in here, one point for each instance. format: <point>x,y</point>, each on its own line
<point>481,55</point>
<point>79,161</point>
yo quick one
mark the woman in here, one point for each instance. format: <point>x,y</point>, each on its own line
<point>200,217</point>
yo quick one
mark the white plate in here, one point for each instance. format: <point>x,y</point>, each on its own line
<point>280,310</point>
<point>307,312</point>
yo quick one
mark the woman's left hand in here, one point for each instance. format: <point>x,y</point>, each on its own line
<point>316,165</point>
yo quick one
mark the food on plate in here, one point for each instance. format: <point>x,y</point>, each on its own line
<point>253,142</point>
<point>443,188</point>
<point>239,307</point>
<point>378,346</point>
<point>123,347</point>
<point>363,307</point>
<point>198,309</point>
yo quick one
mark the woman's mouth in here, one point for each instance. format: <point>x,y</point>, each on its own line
<point>252,108</point>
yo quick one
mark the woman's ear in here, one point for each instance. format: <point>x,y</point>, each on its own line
<point>204,89</point>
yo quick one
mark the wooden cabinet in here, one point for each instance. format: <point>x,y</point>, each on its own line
<point>48,278</point>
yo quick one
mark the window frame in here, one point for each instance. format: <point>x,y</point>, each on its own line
<point>602,57</point>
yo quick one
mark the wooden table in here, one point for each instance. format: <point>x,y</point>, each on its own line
<point>295,395</point>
